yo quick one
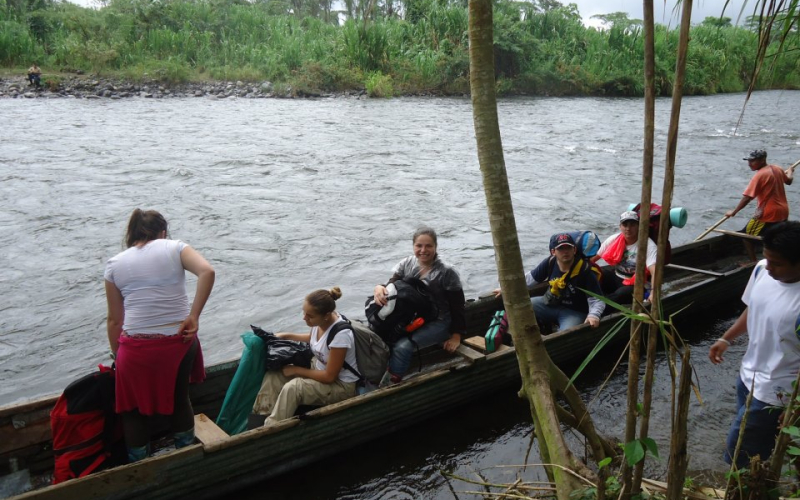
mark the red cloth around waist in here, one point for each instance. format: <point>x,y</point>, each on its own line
<point>147,370</point>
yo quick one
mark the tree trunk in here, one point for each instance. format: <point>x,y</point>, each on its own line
<point>647,166</point>
<point>663,235</point>
<point>678,455</point>
<point>531,354</point>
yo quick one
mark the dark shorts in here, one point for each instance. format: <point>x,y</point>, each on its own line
<point>755,227</point>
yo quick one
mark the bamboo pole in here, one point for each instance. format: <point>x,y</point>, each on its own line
<point>629,484</point>
<point>663,234</point>
<point>716,225</point>
<point>678,455</point>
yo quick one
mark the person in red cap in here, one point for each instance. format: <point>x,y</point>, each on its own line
<point>766,187</point>
<point>567,272</point>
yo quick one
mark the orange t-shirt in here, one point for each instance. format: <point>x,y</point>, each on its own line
<point>766,187</point>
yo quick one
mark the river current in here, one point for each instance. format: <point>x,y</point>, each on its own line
<point>287,196</point>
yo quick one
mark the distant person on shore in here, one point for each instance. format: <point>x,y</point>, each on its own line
<point>152,330</point>
<point>328,381</point>
<point>772,360</point>
<point>619,251</point>
<point>766,187</point>
<point>445,287</point>
<point>34,76</point>
<point>564,303</point>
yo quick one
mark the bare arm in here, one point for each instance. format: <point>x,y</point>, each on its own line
<point>742,203</point>
<point>116,315</point>
<point>299,337</point>
<point>719,347</point>
<point>789,175</point>
<point>452,343</point>
<point>380,293</point>
<point>195,263</point>
<point>328,376</point>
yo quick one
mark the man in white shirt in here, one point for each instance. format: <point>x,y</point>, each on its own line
<point>619,250</point>
<point>771,363</point>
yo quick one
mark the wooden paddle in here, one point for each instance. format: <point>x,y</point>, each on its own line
<point>723,219</point>
<point>738,234</point>
<point>795,164</point>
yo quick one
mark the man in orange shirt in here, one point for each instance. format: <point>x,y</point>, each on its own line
<point>766,187</point>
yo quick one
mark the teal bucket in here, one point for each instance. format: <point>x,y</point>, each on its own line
<point>678,217</point>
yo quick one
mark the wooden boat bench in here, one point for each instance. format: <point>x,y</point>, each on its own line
<point>206,431</point>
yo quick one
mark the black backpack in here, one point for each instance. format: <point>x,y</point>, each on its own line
<point>411,305</point>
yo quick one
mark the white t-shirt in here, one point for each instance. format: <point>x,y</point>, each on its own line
<point>773,345</point>
<point>627,266</point>
<point>322,352</point>
<point>153,285</point>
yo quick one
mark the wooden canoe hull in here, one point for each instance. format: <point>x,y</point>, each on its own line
<point>206,471</point>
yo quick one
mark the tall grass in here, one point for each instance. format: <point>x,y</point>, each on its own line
<point>536,52</point>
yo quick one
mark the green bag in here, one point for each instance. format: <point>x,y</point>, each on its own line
<point>244,387</point>
<point>494,335</point>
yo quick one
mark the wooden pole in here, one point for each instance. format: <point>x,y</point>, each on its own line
<point>678,454</point>
<point>663,232</point>
<point>738,234</point>
<point>705,233</point>
<point>630,486</point>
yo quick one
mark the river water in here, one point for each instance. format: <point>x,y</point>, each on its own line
<point>286,196</point>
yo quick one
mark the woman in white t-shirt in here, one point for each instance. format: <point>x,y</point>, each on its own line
<point>152,329</point>
<point>328,380</point>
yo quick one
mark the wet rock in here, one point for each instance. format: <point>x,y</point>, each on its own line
<point>95,88</point>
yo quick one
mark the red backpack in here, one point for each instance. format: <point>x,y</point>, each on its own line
<point>655,224</point>
<point>87,432</point>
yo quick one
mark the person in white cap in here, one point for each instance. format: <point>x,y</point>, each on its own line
<point>766,187</point>
<point>620,251</point>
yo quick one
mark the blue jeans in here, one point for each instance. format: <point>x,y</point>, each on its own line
<point>564,316</point>
<point>760,430</point>
<point>427,335</point>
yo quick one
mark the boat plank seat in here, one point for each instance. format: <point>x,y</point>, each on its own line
<point>206,431</point>
<point>470,354</point>
<point>479,343</point>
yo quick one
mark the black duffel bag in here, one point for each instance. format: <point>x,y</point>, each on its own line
<point>280,352</point>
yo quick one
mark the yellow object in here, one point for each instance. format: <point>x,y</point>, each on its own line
<point>560,283</point>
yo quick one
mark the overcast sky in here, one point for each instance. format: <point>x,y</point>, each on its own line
<point>663,10</point>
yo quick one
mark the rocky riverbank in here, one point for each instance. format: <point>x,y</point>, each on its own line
<point>87,87</point>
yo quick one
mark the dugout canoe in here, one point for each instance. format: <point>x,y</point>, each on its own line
<point>704,274</point>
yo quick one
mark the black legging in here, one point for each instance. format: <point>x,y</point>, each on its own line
<point>613,289</point>
<point>135,425</point>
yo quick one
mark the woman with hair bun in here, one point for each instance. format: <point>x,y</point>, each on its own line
<point>327,381</point>
<point>152,330</point>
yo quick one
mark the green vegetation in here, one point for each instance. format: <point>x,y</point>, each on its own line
<point>386,47</point>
